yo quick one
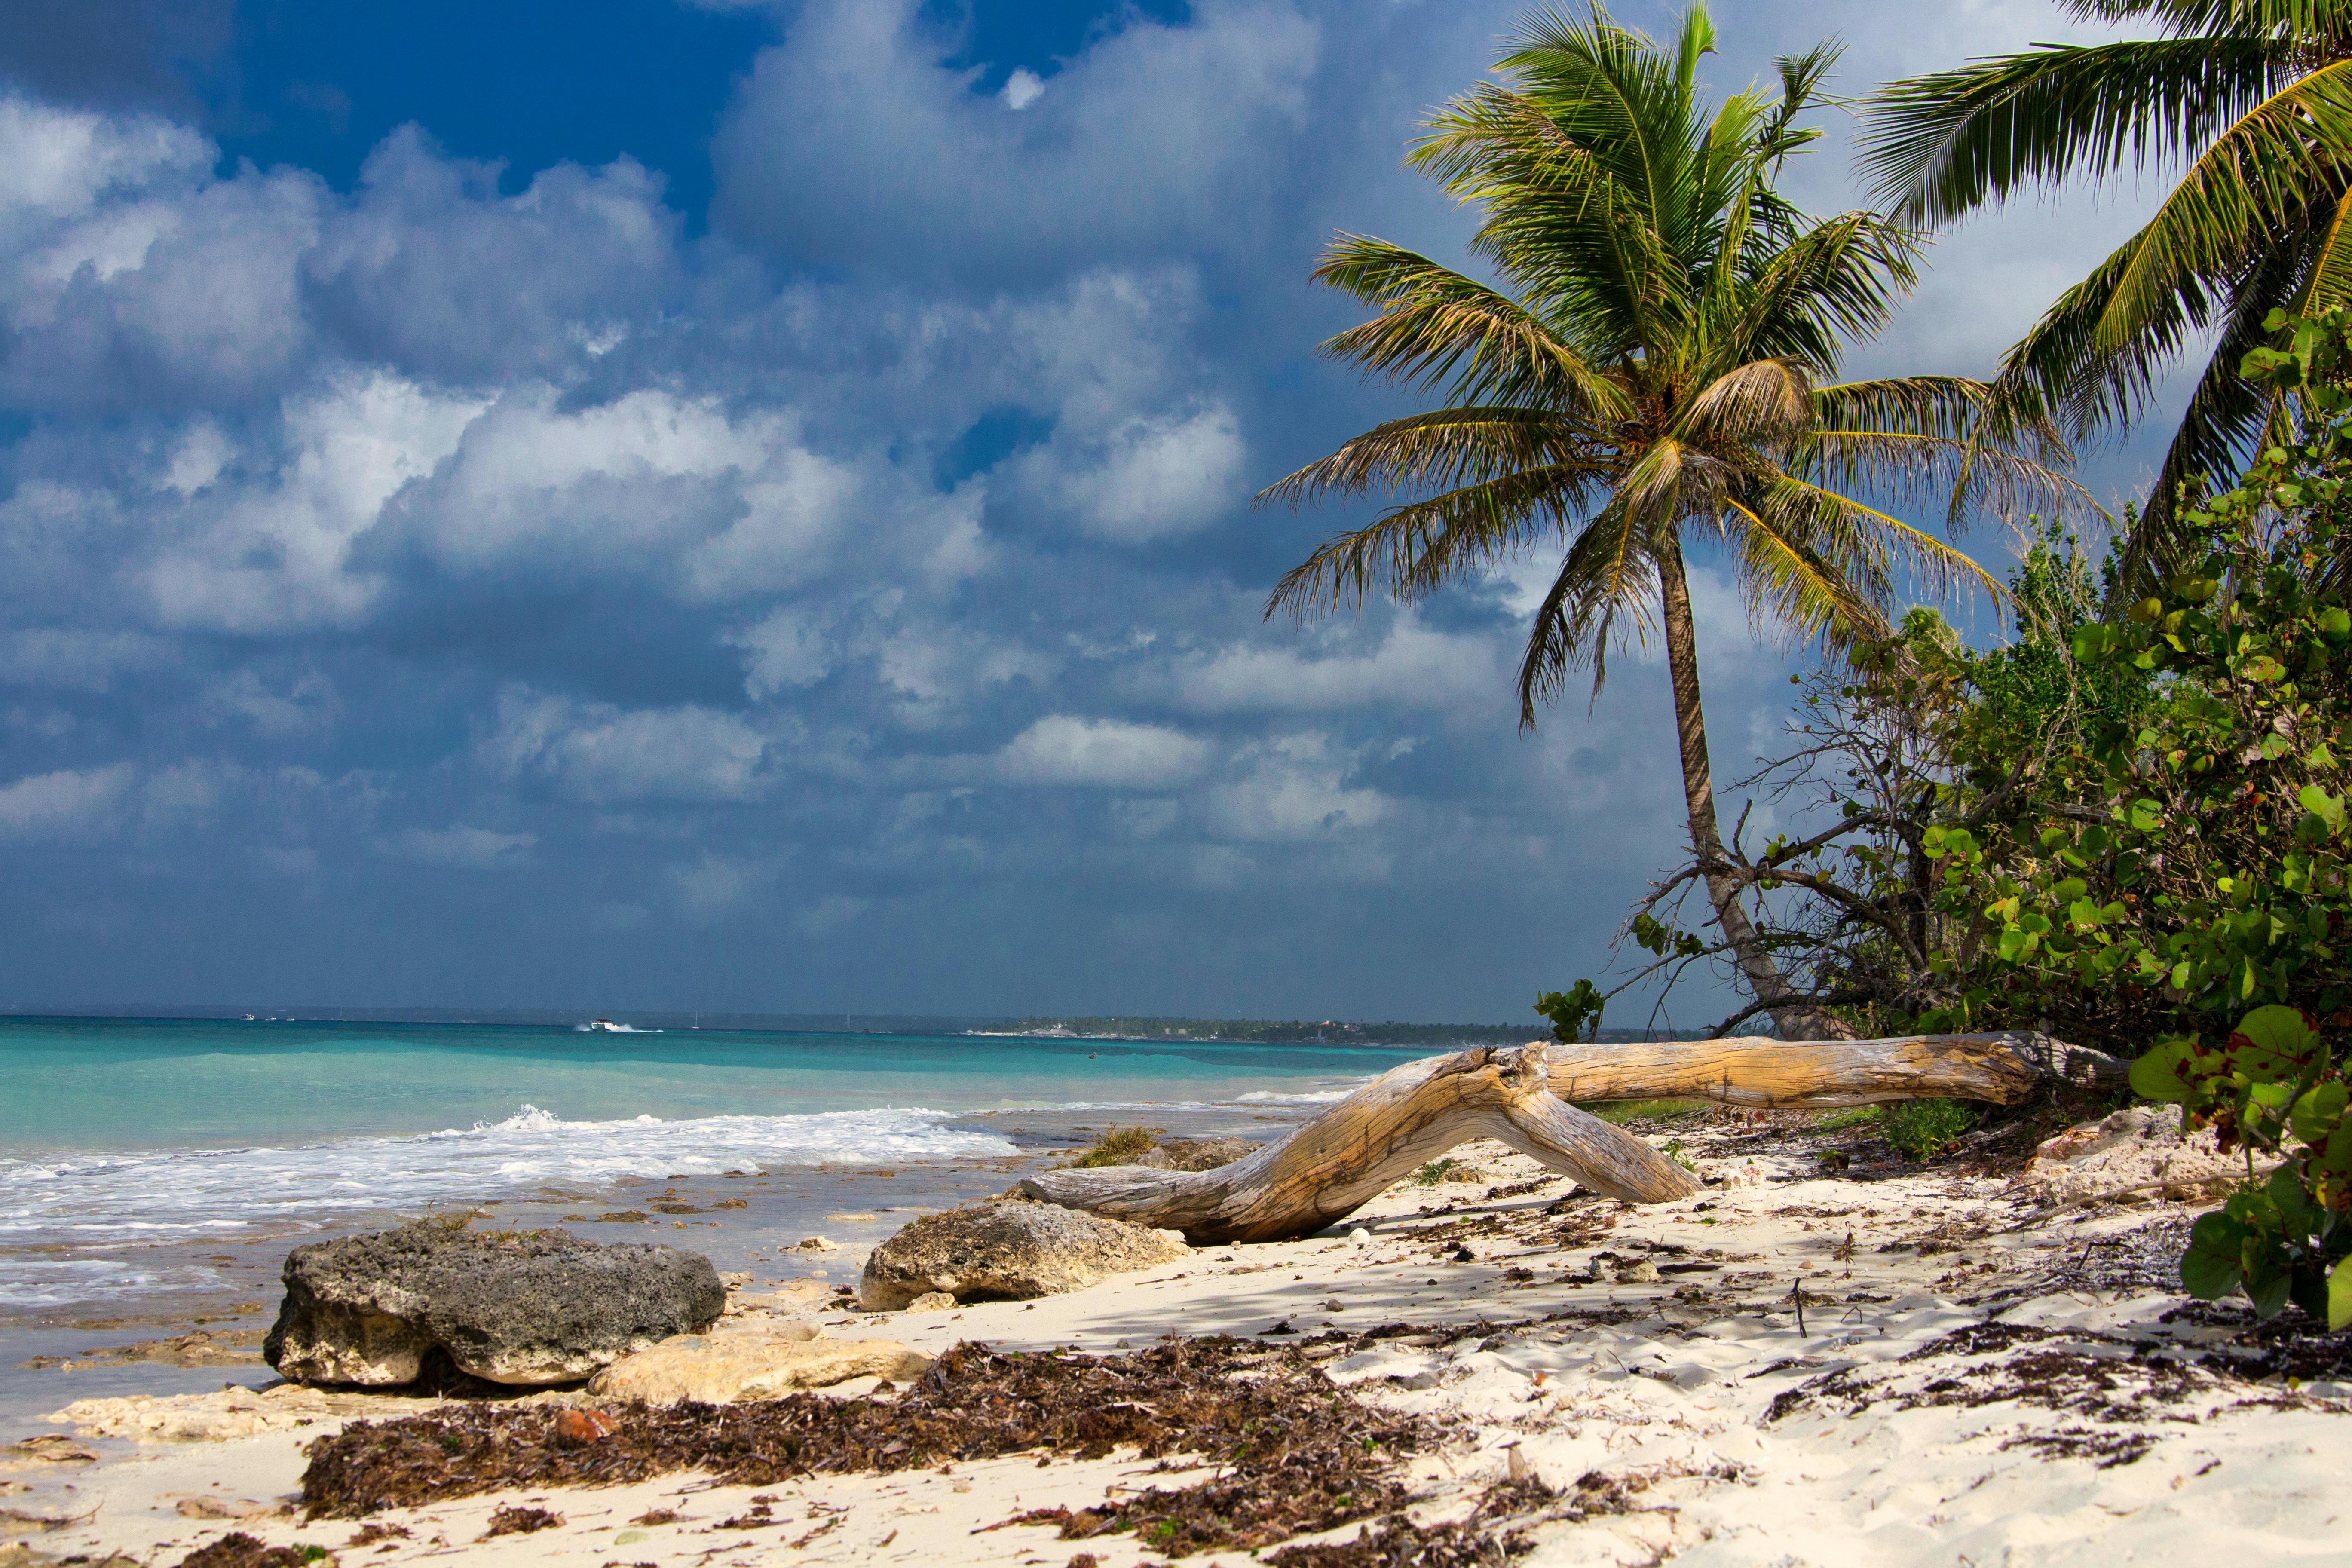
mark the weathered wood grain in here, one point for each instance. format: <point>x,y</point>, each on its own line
<point>1765,1073</point>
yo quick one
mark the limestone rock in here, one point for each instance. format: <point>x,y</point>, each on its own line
<point>1008,1250</point>
<point>719,1369</point>
<point>2138,1152</point>
<point>532,1309</point>
<point>225,1413</point>
<point>932,1301</point>
<point>1204,1154</point>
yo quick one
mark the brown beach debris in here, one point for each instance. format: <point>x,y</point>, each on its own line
<point>512,1519</point>
<point>238,1550</point>
<point>1177,1398</point>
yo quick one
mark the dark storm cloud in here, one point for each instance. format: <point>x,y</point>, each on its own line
<point>482,585</point>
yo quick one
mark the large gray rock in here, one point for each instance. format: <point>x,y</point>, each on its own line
<point>530,1308</point>
<point>1008,1251</point>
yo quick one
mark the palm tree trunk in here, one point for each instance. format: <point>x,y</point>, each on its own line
<point>1798,1020</point>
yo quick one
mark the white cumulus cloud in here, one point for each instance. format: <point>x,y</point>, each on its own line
<point>1108,752</point>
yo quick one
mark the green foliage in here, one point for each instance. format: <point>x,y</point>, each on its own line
<point>1429,1175</point>
<point>2187,858</point>
<point>1119,1146</point>
<point>2274,1088</point>
<point>1923,1128</point>
<point>1854,1116</point>
<point>1575,1013</point>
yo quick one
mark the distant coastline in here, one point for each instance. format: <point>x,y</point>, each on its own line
<point>1134,1029</point>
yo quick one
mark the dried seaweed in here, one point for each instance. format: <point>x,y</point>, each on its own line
<point>1306,1490</point>
<point>1401,1544</point>
<point>974,1404</point>
<point>238,1550</point>
<point>514,1520</point>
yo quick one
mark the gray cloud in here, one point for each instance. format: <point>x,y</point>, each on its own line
<point>855,606</point>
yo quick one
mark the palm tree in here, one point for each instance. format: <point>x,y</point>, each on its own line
<point>2255,98</point>
<point>1657,365</point>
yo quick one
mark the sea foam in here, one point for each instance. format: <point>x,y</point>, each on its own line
<point>192,1192</point>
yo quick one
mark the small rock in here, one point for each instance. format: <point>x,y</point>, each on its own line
<point>722,1369</point>
<point>1007,1250</point>
<point>2138,1152</point>
<point>41,1452</point>
<point>1642,1273</point>
<point>819,1244</point>
<point>222,1507</point>
<point>1360,1236</point>
<point>581,1427</point>
<point>736,1281</point>
<point>932,1301</point>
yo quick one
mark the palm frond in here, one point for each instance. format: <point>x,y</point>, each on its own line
<point>1437,329</point>
<point>1936,147</point>
<point>1599,595</point>
<point>1441,450</point>
<point>1411,550</point>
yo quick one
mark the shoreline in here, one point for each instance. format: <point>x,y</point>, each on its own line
<point>746,1222</point>
<point>1981,1376</point>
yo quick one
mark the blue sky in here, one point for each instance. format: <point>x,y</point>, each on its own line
<point>746,507</point>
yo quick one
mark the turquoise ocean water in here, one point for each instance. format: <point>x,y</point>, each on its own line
<point>116,1135</point>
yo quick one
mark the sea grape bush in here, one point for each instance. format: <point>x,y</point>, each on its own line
<point>2273,1087</point>
<point>2193,852</point>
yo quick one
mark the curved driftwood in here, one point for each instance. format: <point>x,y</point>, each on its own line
<point>1412,1114</point>
<point>1357,1149</point>
<point>2004,1068</point>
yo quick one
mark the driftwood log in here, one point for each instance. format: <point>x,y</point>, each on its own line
<point>1412,1114</point>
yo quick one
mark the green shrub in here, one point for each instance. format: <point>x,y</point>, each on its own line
<point>2270,1088</point>
<point>1855,1116</point>
<point>1429,1175</point>
<point>2193,857</point>
<point>1923,1128</point>
<point>1119,1146</point>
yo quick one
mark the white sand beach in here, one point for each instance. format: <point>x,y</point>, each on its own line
<point>1984,1375</point>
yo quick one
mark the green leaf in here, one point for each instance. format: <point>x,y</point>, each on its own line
<point>2340,1296</point>
<point>2147,816</point>
<point>2274,1043</point>
<point>2163,1074</point>
<point>2299,1216</point>
<point>2211,1267</point>
<point>2328,808</point>
<point>2316,1114</point>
